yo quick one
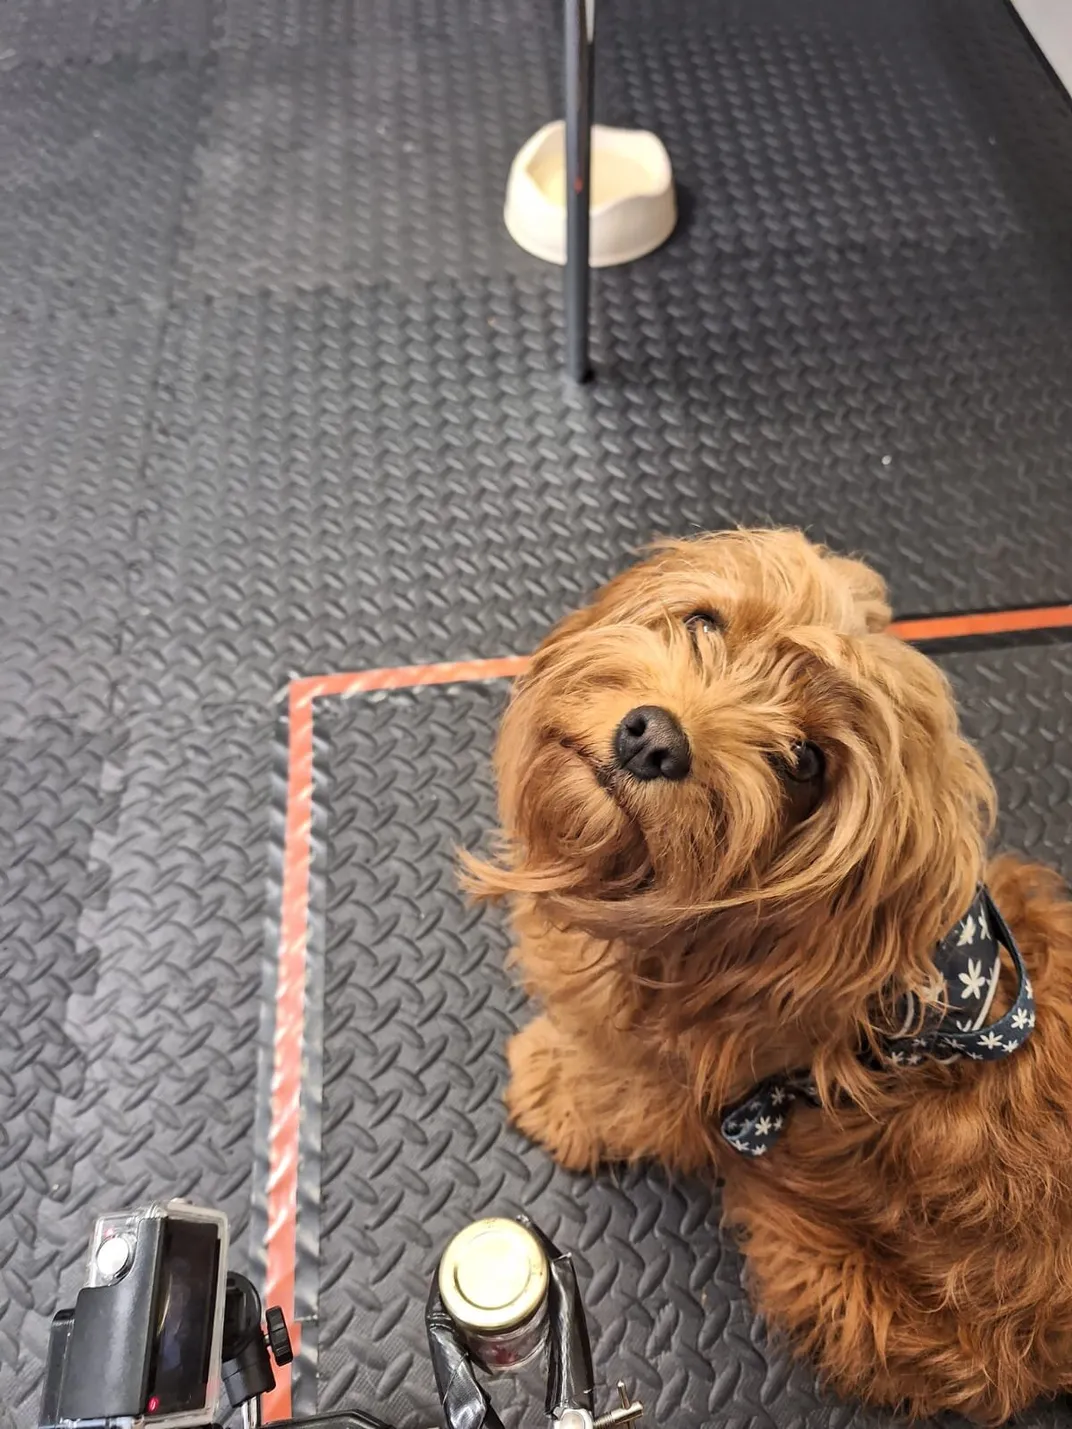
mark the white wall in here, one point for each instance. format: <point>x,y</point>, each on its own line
<point>1050,21</point>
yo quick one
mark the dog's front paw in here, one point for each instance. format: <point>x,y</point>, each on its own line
<point>541,1100</point>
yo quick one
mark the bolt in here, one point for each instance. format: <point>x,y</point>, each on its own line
<point>626,1412</point>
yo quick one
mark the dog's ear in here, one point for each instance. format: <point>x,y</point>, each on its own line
<point>866,591</point>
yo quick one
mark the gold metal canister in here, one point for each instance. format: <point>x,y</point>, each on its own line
<point>493,1281</point>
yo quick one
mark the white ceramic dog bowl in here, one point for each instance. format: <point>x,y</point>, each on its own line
<point>632,208</point>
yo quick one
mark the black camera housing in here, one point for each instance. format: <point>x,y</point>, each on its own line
<point>143,1342</point>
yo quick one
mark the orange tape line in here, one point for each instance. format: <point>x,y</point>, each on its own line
<point>987,622</point>
<point>284,1136</point>
<point>284,1126</point>
<point>407,677</point>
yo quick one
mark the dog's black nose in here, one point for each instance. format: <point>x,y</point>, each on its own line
<point>650,744</point>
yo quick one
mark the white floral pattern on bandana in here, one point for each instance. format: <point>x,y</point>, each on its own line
<point>969,960</point>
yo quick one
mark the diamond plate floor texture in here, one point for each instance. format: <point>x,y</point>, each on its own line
<point>278,395</point>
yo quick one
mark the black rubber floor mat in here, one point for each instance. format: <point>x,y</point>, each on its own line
<point>365,452</point>
<point>132,873</point>
<point>97,31</point>
<point>278,393</point>
<point>417,1009</point>
<point>93,161</point>
<point>59,803</point>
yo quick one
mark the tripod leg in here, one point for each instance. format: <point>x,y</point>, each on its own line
<point>580,56</point>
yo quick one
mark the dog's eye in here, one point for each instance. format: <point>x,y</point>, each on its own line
<point>703,622</point>
<point>806,764</point>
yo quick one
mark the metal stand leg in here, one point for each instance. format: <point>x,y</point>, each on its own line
<point>580,55</point>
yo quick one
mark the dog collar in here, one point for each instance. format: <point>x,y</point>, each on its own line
<point>969,960</point>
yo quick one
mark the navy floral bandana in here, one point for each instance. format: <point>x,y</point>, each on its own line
<point>969,960</point>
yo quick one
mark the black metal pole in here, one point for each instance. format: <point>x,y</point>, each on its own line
<point>580,54</point>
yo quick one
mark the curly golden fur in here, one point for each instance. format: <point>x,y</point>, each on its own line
<point>688,937</point>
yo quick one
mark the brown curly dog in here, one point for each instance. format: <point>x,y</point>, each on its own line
<point>738,821</point>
